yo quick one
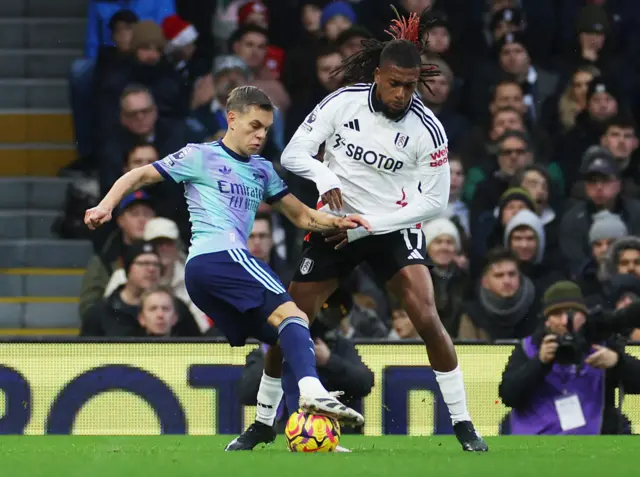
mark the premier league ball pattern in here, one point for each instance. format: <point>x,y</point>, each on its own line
<point>311,433</point>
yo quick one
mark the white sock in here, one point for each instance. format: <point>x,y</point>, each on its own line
<point>452,389</point>
<point>269,396</point>
<point>310,386</point>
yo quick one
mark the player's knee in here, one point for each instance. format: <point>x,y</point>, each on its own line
<point>285,311</point>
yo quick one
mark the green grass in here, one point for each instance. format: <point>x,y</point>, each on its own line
<point>184,456</point>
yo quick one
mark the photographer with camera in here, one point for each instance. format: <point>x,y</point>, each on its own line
<point>562,379</point>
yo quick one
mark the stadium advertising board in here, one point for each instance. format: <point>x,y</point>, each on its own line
<point>189,388</point>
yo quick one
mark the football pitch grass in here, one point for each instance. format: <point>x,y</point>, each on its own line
<point>187,456</point>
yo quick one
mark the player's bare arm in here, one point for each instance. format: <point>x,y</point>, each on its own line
<point>131,181</point>
<point>315,221</point>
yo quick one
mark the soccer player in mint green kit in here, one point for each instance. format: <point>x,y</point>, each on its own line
<point>225,182</point>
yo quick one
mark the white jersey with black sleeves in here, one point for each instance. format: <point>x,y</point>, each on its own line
<point>393,172</point>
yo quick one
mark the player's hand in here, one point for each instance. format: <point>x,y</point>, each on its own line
<point>97,216</point>
<point>323,353</point>
<point>333,198</point>
<point>352,222</point>
<point>548,349</point>
<point>603,358</point>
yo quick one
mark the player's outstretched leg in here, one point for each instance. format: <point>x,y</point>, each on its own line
<point>298,351</point>
<point>414,286</point>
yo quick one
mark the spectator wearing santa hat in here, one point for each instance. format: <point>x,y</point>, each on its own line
<point>181,50</point>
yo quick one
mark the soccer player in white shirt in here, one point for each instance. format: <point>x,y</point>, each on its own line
<point>385,158</point>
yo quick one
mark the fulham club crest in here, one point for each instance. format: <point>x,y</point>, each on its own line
<point>401,140</point>
<point>306,266</point>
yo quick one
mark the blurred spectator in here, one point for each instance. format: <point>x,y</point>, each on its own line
<point>402,328</point>
<point>256,13</point>
<point>139,122</point>
<point>623,257</point>
<point>250,43</point>
<point>324,82</point>
<point>99,31</point>
<point>592,275</point>
<point>505,307</point>
<point>488,231</point>
<point>621,140</point>
<point>157,315</point>
<point>548,397</point>
<point>602,105</point>
<point>164,236</point>
<point>435,93</point>
<point>182,52</point>
<point>505,21</point>
<point>537,83</point>
<point>349,42</point>
<point>507,110</point>
<point>118,315</point>
<point>588,47</point>
<point>311,15</point>
<point>83,72</point>
<point>622,291</point>
<point>140,155</point>
<point>514,152</point>
<point>450,282</point>
<point>132,216</point>
<point>147,67</point>
<point>260,245</point>
<point>298,75</point>
<point>535,179</point>
<point>560,113</point>
<point>602,187</point>
<point>337,17</point>
<point>457,209</point>
<point>524,235</point>
<point>229,72</point>
<point>107,26</point>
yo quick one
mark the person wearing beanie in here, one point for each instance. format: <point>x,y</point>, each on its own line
<point>594,273</point>
<point>606,228</point>
<point>450,281</point>
<point>117,314</point>
<point>537,84</point>
<point>505,304</point>
<point>525,236</point>
<point>337,17</point>
<point>148,42</point>
<point>621,291</point>
<point>588,46</point>
<point>505,21</point>
<point>548,397</point>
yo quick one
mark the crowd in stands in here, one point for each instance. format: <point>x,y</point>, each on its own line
<point>539,99</point>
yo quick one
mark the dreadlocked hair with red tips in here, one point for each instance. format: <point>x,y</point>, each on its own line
<point>409,41</point>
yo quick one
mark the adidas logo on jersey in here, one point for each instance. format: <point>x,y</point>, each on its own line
<point>355,125</point>
<point>415,255</point>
